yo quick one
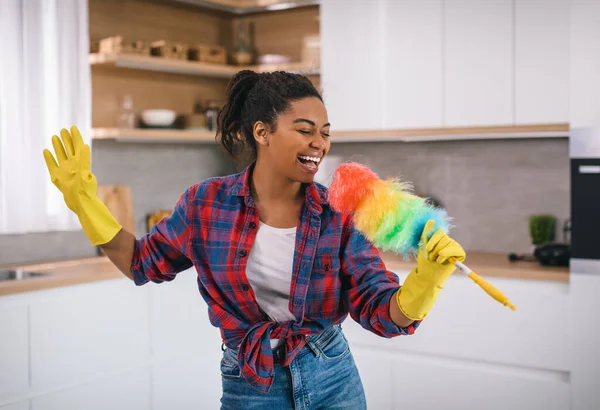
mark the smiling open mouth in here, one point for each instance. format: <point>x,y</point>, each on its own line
<point>309,163</point>
<point>305,159</point>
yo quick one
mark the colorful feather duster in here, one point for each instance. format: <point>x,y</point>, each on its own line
<point>391,216</point>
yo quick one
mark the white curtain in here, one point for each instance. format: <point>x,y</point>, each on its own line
<point>44,86</point>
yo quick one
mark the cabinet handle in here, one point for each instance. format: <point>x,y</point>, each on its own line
<point>589,169</point>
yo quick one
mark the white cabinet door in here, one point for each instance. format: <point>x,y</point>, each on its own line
<point>188,383</point>
<point>130,391</point>
<point>184,342</point>
<point>541,61</point>
<point>22,405</point>
<point>351,67</point>
<point>412,93</point>
<point>376,375</point>
<point>14,350</point>
<point>585,63</point>
<point>88,331</point>
<point>424,383</point>
<point>478,63</point>
<point>585,356</point>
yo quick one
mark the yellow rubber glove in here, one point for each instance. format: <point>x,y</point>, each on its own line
<point>435,263</point>
<point>73,177</point>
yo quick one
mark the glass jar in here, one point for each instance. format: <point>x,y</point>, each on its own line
<point>212,112</point>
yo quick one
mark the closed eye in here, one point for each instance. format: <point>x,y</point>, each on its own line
<point>306,132</point>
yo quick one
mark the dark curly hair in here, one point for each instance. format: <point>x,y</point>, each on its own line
<point>253,97</point>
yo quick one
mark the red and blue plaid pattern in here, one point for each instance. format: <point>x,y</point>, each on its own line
<point>336,271</point>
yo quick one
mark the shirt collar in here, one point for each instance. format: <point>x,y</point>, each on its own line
<point>316,194</point>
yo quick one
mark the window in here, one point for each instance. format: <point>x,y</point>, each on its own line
<point>44,86</point>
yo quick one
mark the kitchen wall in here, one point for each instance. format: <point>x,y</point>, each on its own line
<point>157,174</point>
<point>489,187</point>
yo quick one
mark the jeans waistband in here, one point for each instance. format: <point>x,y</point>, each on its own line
<point>313,342</point>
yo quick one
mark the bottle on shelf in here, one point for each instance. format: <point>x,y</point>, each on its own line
<point>242,54</point>
<point>252,45</point>
<point>126,117</point>
<point>212,111</point>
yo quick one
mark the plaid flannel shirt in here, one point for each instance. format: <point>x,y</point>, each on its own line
<point>336,271</point>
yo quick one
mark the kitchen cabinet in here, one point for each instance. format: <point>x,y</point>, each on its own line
<point>541,61</point>
<point>96,329</point>
<point>473,353</point>
<point>585,63</point>
<point>192,382</point>
<point>393,66</point>
<point>130,390</point>
<point>376,375</point>
<point>423,384</point>
<point>585,304</point>
<point>109,345</point>
<point>14,336</point>
<point>478,63</point>
<point>351,70</point>
<point>184,327</point>
<point>412,60</point>
<point>470,352</point>
<point>22,405</point>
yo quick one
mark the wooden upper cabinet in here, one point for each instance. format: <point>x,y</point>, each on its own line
<point>351,67</point>
<point>412,92</point>
<point>541,61</point>
<point>478,63</point>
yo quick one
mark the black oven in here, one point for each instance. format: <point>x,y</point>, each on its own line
<point>584,155</point>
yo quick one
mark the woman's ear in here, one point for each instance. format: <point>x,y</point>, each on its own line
<point>261,133</point>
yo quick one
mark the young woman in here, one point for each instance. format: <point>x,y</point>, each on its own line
<point>277,267</point>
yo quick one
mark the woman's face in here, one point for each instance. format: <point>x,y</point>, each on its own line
<point>299,142</point>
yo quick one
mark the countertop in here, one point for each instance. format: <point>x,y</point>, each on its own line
<point>491,264</point>
<point>79,271</point>
<point>61,273</point>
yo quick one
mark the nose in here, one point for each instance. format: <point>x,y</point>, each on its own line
<point>317,142</point>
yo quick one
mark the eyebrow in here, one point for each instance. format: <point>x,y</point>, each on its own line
<point>309,122</point>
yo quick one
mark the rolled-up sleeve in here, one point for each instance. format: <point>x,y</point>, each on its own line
<point>368,287</point>
<point>161,254</point>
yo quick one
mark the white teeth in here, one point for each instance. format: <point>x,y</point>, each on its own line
<point>307,158</point>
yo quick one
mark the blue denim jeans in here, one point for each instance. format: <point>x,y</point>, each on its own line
<point>322,376</point>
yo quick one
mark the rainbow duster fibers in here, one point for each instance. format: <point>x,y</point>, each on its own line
<point>386,212</point>
<point>391,216</point>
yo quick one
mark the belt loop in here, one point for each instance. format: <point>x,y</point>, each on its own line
<point>312,347</point>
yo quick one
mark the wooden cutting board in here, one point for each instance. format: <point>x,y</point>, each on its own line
<point>118,200</point>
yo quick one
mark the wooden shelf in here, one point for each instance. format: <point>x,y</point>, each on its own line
<point>300,68</point>
<point>454,134</point>
<point>411,135</point>
<point>149,63</point>
<point>243,7</point>
<point>153,135</point>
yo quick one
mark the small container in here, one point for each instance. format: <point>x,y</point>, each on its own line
<point>158,117</point>
<point>197,120</point>
<point>207,54</point>
<point>168,49</point>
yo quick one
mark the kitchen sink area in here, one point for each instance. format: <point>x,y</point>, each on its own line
<point>18,274</point>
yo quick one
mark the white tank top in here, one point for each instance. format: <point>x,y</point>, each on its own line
<point>269,271</point>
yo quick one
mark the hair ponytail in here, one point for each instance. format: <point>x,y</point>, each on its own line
<point>230,125</point>
<point>253,97</point>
